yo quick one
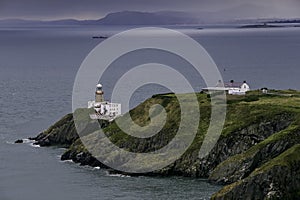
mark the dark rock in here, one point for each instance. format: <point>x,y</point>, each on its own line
<point>240,141</point>
<point>19,141</point>
<point>277,179</point>
<point>240,166</point>
<point>62,133</point>
<point>44,142</point>
<point>84,158</point>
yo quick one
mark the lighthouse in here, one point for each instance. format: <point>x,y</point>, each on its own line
<point>99,94</point>
<point>103,109</point>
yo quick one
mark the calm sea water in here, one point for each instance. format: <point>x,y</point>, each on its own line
<point>37,71</point>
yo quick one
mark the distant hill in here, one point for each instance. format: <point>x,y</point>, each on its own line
<point>147,18</point>
<point>117,18</point>
<point>162,18</point>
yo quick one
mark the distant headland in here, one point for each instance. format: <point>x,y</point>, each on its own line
<point>264,25</point>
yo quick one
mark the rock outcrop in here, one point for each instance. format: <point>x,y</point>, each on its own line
<point>19,141</point>
<point>240,166</point>
<point>277,179</point>
<point>62,133</point>
<point>241,140</point>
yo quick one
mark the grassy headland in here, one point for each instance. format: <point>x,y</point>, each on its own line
<point>260,137</point>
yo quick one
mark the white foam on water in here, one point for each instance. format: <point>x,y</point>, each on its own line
<point>31,143</point>
<point>117,175</point>
<point>9,142</point>
<point>27,141</point>
<point>34,145</point>
<point>67,161</point>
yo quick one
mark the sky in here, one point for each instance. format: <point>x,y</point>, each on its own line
<point>95,9</point>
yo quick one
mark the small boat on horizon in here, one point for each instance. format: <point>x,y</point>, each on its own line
<point>100,37</point>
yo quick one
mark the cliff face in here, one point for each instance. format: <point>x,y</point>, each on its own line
<point>278,178</point>
<point>260,130</point>
<point>240,166</point>
<point>241,140</point>
<point>62,133</point>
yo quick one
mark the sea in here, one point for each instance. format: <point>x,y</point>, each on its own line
<point>38,66</point>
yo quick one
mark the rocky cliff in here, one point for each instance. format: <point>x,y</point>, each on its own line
<point>62,133</point>
<point>279,178</point>
<point>257,155</point>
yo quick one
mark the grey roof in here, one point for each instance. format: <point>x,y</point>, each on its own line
<point>234,85</point>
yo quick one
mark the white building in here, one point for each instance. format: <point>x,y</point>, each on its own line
<point>103,109</point>
<point>106,108</point>
<point>233,88</point>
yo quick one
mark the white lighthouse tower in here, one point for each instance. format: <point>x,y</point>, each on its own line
<point>103,109</point>
<point>99,94</point>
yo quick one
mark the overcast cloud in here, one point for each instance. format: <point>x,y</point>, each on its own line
<point>94,9</point>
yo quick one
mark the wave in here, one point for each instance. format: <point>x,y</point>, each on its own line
<point>117,175</point>
<point>31,143</point>
<point>67,161</point>
<point>27,141</point>
<point>34,145</point>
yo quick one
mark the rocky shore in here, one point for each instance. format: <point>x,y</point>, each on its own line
<point>256,157</point>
